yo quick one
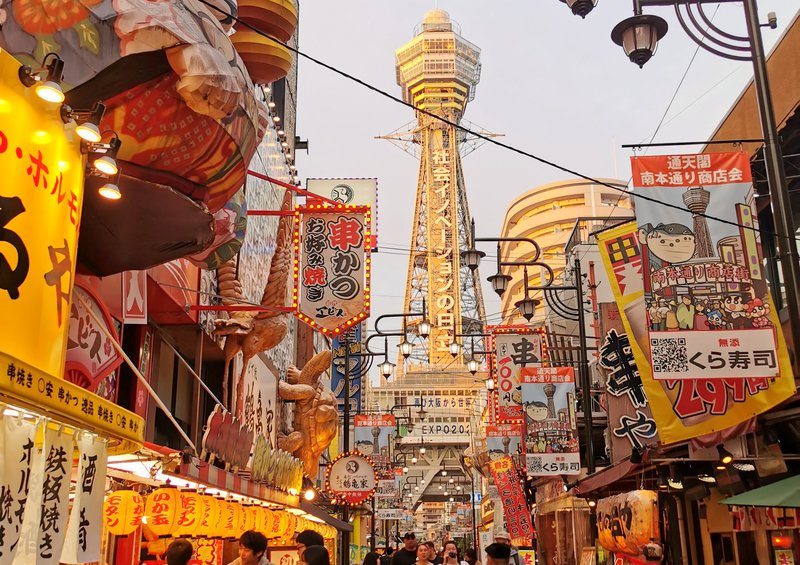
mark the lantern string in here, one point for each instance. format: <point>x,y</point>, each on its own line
<point>138,374</point>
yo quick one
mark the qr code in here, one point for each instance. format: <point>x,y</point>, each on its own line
<point>534,465</point>
<point>669,355</point>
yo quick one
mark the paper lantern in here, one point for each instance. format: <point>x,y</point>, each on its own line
<point>225,516</point>
<point>280,523</point>
<point>265,521</point>
<point>211,512</point>
<point>249,518</point>
<point>122,512</point>
<point>238,520</point>
<point>190,517</point>
<point>162,510</point>
<point>291,528</point>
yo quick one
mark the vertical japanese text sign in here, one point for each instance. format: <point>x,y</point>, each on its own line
<point>515,348</point>
<point>551,436</point>
<point>331,266</point>
<point>707,302</point>
<point>518,518</point>
<point>356,366</point>
<point>40,211</point>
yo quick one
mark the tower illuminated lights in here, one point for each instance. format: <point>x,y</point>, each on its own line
<point>438,71</point>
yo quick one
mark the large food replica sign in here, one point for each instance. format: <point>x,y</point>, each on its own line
<point>332,266</point>
<point>628,523</point>
<point>350,479</point>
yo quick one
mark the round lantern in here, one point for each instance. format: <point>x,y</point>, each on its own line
<point>122,512</point>
<point>190,517</point>
<point>265,519</point>
<point>162,509</point>
<point>280,523</point>
<point>239,517</point>
<point>222,529</point>
<point>249,522</point>
<point>291,528</point>
<point>211,512</point>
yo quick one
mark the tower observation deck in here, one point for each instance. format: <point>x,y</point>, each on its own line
<point>438,71</point>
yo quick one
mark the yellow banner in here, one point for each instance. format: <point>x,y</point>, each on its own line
<point>40,209</point>
<point>684,408</point>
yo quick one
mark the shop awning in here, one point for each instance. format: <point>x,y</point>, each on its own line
<point>320,513</point>
<point>610,474</point>
<point>783,494</point>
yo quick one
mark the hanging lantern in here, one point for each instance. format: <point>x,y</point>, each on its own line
<point>291,528</point>
<point>162,510</point>
<point>211,512</point>
<point>225,516</point>
<point>238,520</point>
<point>122,512</point>
<point>265,521</point>
<point>249,518</point>
<point>280,522</point>
<point>190,517</point>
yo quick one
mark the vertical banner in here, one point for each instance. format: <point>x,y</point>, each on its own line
<point>629,417</point>
<point>85,526</point>
<point>551,437</point>
<point>260,397</point>
<point>682,408</point>
<point>354,338</point>
<point>331,266</point>
<point>514,348</point>
<point>55,495</point>
<point>18,454</point>
<point>372,433</point>
<point>31,491</point>
<point>518,517</point>
<point>504,440</point>
<point>709,311</point>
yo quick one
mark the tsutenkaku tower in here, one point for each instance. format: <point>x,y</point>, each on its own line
<point>438,71</point>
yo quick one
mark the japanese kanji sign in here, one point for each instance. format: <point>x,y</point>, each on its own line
<point>19,452</point>
<point>629,417</point>
<point>55,495</point>
<point>682,408</point>
<point>372,432</point>
<point>85,526</point>
<point>504,439</point>
<point>361,192</point>
<point>627,522</point>
<point>354,342</point>
<point>515,348</point>
<point>40,210</point>
<point>351,478</point>
<point>332,266</point>
<point>551,426</point>
<point>709,311</point>
<point>518,517</point>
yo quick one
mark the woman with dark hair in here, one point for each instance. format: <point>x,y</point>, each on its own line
<point>471,556</point>
<point>450,554</point>
<point>372,558</point>
<point>316,555</point>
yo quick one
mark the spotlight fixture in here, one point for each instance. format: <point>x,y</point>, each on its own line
<point>636,456</point>
<point>744,466</point>
<point>310,494</point>
<point>271,104</point>
<point>49,88</point>
<point>88,129</point>
<point>663,480</point>
<point>444,472</point>
<point>675,478</point>
<point>281,132</point>
<point>105,163</point>
<point>276,119</point>
<point>703,477</point>
<point>725,456</point>
<point>110,189</point>
<point>592,503</point>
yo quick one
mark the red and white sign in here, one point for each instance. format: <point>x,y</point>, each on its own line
<point>351,478</point>
<point>515,347</point>
<point>518,517</point>
<point>332,266</point>
<point>134,297</point>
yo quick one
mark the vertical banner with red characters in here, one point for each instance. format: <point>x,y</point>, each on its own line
<point>514,348</point>
<point>551,425</point>
<point>518,517</point>
<point>709,311</point>
<point>332,266</point>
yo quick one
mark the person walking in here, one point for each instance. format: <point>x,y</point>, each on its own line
<point>450,555</point>
<point>498,553</point>
<point>502,536</point>
<point>372,558</point>
<point>407,555</point>
<point>305,539</point>
<point>252,549</point>
<point>422,555</point>
<point>471,556</point>
<point>179,552</point>
<point>316,555</point>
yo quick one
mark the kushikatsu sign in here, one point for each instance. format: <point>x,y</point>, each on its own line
<point>331,266</point>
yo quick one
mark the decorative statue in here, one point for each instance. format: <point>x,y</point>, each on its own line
<point>253,332</point>
<point>316,412</point>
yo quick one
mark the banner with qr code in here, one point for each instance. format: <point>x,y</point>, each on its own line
<point>707,303</point>
<point>551,426</point>
<point>332,266</point>
<point>682,408</point>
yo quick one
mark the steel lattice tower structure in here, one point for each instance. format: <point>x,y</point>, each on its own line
<point>438,71</point>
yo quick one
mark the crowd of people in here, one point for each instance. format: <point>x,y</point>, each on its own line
<point>312,551</point>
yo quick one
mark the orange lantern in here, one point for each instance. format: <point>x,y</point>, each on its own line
<point>249,521</point>
<point>239,516</point>
<point>122,512</point>
<point>190,517</point>
<point>265,521</point>
<point>211,512</point>
<point>162,510</point>
<point>280,522</point>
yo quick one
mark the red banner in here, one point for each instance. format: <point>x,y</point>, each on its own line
<point>518,517</point>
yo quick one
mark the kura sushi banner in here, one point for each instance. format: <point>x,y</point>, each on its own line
<point>709,311</point>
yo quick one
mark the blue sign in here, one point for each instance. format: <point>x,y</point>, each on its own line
<point>353,335</point>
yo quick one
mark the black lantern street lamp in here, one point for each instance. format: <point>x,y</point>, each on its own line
<point>639,37</point>
<point>580,7</point>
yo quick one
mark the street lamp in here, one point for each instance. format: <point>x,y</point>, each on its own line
<point>580,7</point>
<point>473,365</point>
<point>639,37</point>
<point>455,348</point>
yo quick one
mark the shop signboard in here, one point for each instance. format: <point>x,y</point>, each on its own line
<point>387,488</point>
<point>504,439</point>
<point>709,310</point>
<point>359,192</point>
<point>628,522</point>
<point>517,515</point>
<point>351,478</point>
<point>514,348</point>
<point>332,266</point>
<point>260,397</point>
<point>629,417</point>
<point>389,513</point>
<point>681,408</point>
<point>449,402</point>
<point>551,425</point>
<point>372,434</point>
<point>354,342</point>
<point>134,297</point>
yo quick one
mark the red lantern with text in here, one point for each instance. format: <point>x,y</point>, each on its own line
<point>190,517</point>
<point>122,512</point>
<point>162,510</point>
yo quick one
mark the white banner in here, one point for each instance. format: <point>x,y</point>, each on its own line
<point>260,394</point>
<point>389,513</point>
<point>29,492</point>
<point>85,527</point>
<point>55,496</point>
<point>18,451</point>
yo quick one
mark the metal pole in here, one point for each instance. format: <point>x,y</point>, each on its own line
<point>474,515</point>
<point>372,528</point>
<point>346,441</point>
<point>778,189</point>
<point>583,373</point>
